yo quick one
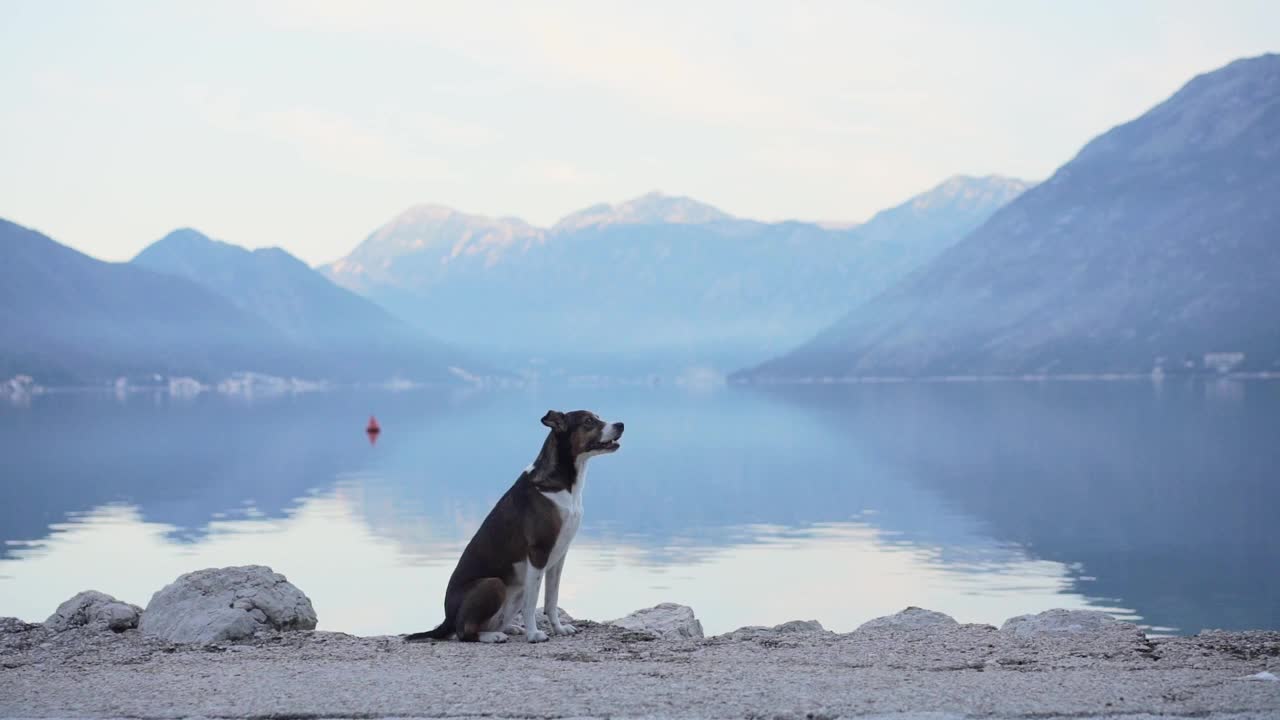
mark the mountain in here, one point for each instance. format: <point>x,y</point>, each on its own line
<point>427,243</point>
<point>653,208</point>
<point>190,306</point>
<point>68,318</point>
<point>1158,245</point>
<point>934,220</point>
<point>352,337</point>
<point>659,279</point>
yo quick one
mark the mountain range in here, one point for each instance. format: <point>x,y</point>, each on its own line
<point>617,289</point>
<point>1156,248</point>
<point>657,279</point>
<point>191,306</point>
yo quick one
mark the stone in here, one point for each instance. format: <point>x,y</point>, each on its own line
<point>912,618</point>
<point>608,672</point>
<point>762,632</point>
<point>94,610</point>
<point>795,626</point>
<point>1085,633</point>
<point>665,620</point>
<point>14,625</point>
<point>1065,622</point>
<point>226,605</point>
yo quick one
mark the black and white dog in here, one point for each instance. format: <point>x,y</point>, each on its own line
<point>525,537</point>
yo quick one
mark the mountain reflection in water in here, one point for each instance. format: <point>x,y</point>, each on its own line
<point>754,506</point>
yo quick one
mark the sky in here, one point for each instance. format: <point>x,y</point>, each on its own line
<point>307,124</point>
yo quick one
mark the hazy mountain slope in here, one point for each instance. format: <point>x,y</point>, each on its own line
<point>658,275</point>
<point>934,220</point>
<point>1157,244</point>
<point>349,335</point>
<point>66,317</point>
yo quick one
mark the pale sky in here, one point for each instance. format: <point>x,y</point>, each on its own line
<point>307,124</point>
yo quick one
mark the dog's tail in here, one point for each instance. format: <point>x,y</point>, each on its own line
<point>442,632</point>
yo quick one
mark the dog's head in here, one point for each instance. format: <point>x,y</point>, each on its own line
<point>583,433</point>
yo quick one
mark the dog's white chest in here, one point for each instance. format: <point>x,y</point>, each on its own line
<point>569,505</point>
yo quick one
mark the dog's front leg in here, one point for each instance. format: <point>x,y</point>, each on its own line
<point>553,600</point>
<point>532,584</point>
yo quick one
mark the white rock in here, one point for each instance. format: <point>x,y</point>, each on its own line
<point>226,604</point>
<point>912,618</point>
<point>666,620</point>
<point>1264,676</point>
<point>94,609</point>
<point>1064,622</point>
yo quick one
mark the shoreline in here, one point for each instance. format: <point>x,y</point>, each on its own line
<point>917,663</point>
<point>240,385</point>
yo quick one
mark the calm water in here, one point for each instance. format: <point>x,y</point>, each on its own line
<point>1156,502</point>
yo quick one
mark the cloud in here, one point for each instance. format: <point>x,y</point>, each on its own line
<point>327,140</point>
<point>433,129</point>
<point>770,109</point>
<point>554,173</point>
<point>657,59</point>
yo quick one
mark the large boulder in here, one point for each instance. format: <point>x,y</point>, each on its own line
<point>1085,633</point>
<point>912,618</point>
<point>94,610</point>
<point>1059,622</point>
<point>226,604</point>
<point>666,620</point>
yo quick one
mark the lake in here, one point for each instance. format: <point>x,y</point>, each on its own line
<point>1154,501</point>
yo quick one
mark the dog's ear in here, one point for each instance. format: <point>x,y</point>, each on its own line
<point>555,420</point>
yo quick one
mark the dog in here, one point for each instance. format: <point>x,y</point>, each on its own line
<point>525,538</point>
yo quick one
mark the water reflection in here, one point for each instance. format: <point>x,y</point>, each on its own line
<point>366,582</point>
<point>1161,498</point>
<point>831,503</point>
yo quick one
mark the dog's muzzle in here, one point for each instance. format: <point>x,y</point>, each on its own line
<point>609,437</point>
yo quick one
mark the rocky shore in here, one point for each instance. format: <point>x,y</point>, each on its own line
<point>238,643</point>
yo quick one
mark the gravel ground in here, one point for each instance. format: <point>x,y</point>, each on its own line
<point>606,671</point>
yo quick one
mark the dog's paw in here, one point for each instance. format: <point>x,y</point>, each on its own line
<point>564,629</point>
<point>536,636</point>
<point>492,637</point>
<point>513,629</point>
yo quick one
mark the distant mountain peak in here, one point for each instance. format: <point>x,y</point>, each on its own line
<point>184,233</point>
<point>187,246</point>
<point>440,231</point>
<point>187,243</point>
<point>424,214</point>
<point>959,202</point>
<point>971,190</point>
<point>651,208</point>
<point>187,236</point>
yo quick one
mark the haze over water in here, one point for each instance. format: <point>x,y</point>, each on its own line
<point>1155,501</point>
